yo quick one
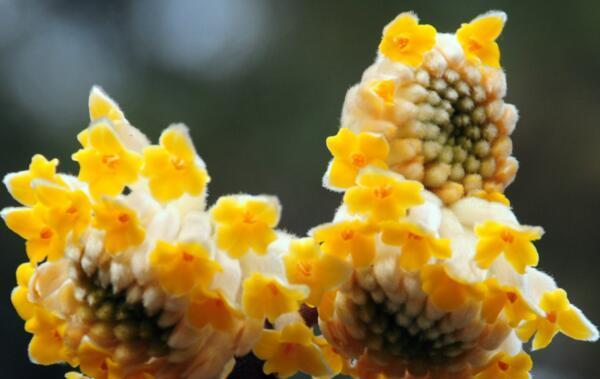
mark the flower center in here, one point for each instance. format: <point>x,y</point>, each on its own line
<point>512,297</point>
<point>507,236</point>
<point>305,268</point>
<point>382,192</point>
<point>187,256</point>
<point>414,237</point>
<point>46,233</point>
<point>71,210</point>
<point>248,218</point>
<point>358,160</point>
<point>178,163</point>
<point>552,317</point>
<point>474,45</point>
<point>503,366</point>
<point>123,218</point>
<point>273,288</point>
<point>347,234</point>
<point>400,42</point>
<point>110,160</point>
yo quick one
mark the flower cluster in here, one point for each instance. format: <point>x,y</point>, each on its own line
<point>129,275</point>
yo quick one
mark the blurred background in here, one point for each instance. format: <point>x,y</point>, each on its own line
<point>261,84</point>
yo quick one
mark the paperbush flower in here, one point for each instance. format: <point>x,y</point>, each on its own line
<point>424,271</point>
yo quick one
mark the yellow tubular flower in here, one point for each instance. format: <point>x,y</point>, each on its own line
<point>352,152</point>
<point>105,164</point>
<point>385,89</point>
<point>496,238</point>
<point>418,246</point>
<point>67,211</point>
<point>503,366</point>
<point>181,267</point>
<point>120,223</point>
<point>268,297</point>
<point>245,223</point>
<point>505,298</point>
<point>446,292</point>
<point>212,308</point>
<point>32,225</point>
<point>173,168</point>
<point>19,295</point>
<point>382,195</point>
<point>291,350</point>
<point>478,38</point>
<point>20,184</point>
<point>46,346</point>
<point>560,316</point>
<point>93,360</point>
<point>306,264</point>
<point>355,238</point>
<point>405,41</point>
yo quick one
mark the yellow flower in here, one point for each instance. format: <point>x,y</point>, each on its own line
<point>75,375</point>
<point>326,305</point>
<point>105,164</point>
<point>418,246</point>
<point>245,223</point>
<point>503,366</point>
<point>212,308</point>
<point>560,316</point>
<point>478,38</point>
<point>173,167</point>
<point>493,196</point>
<point>496,238</point>
<point>348,237</point>
<point>268,297</point>
<point>405,41</point>
<point>67,211</point>
<point>382,196</point>
<point>120,223</point>
<point>46,346</point>
<point>32,225</point>
<point>306,264</point>
<point>291,350</point>
<point>181,267</point>
<point>102,106</point>
<point>20,295</point>
<point>351,152</point>
<point>505,298</point>
<point>19,184</point>
<point>385,89</point>
<point>93,360</point>
<point>446,292</point>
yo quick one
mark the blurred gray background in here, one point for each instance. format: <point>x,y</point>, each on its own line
<point>261,84</point>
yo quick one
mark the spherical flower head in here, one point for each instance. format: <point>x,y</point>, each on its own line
<point>173,168</point>
<point>381,195</point>
<point>120,223</point>
<point>352,152</point>
<point>405,41</point>
<point>478,38</point>
<point>105,163</point>
<point>441,110</point>
<point>245,223</point>
<point>503,366</point>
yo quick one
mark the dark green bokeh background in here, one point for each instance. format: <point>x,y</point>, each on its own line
<point>261,84</point>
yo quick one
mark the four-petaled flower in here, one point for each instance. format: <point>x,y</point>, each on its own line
<point>352,152</point>
<point>290,350</point>
<point>445,291</point>
<point>182,266</point>
<point>244,223</point>
<point>478,38</point>
<point>173,168</point>
<point>382,195</point>
<point>405,41</point>
<point>515,242</point>
<point>306,264</point>
<point>499,298</point>
<point>121,225</point>
<point>67,211</point>
<point>268,297</point>
<point>105,163</point>
<point>213,308</point>
<point>418,246</point>
<point>355,238</point>
<point>560,316</point>
<point>20,184</point>
<point>504,366</point>
<point>47,344</point>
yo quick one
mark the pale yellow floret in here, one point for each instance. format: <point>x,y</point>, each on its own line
<point>20,184</point>
<point>173,167</point>
<point>385,90</point>
<point>121,225</point>
<point>47,344</point>
<point>478,38</point>
<point>405,41</point>
<point>504,298</point>
<point>355,238</point>
<point>105,163</point>
<point>446,292</point>
<point>560,316</point>
<point>268,297</point>
<point>291,350</point>
<point>213,308</point>
<point>418,246</point>
<point>516,244</point>
<point>352,152</point>
<point>182,266</point>
<point>43,241</point>
<point>306,264</point>
<point>20,295</point>
<point>381,196</point>
<point>244,224</point>
<point>504,366</point>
